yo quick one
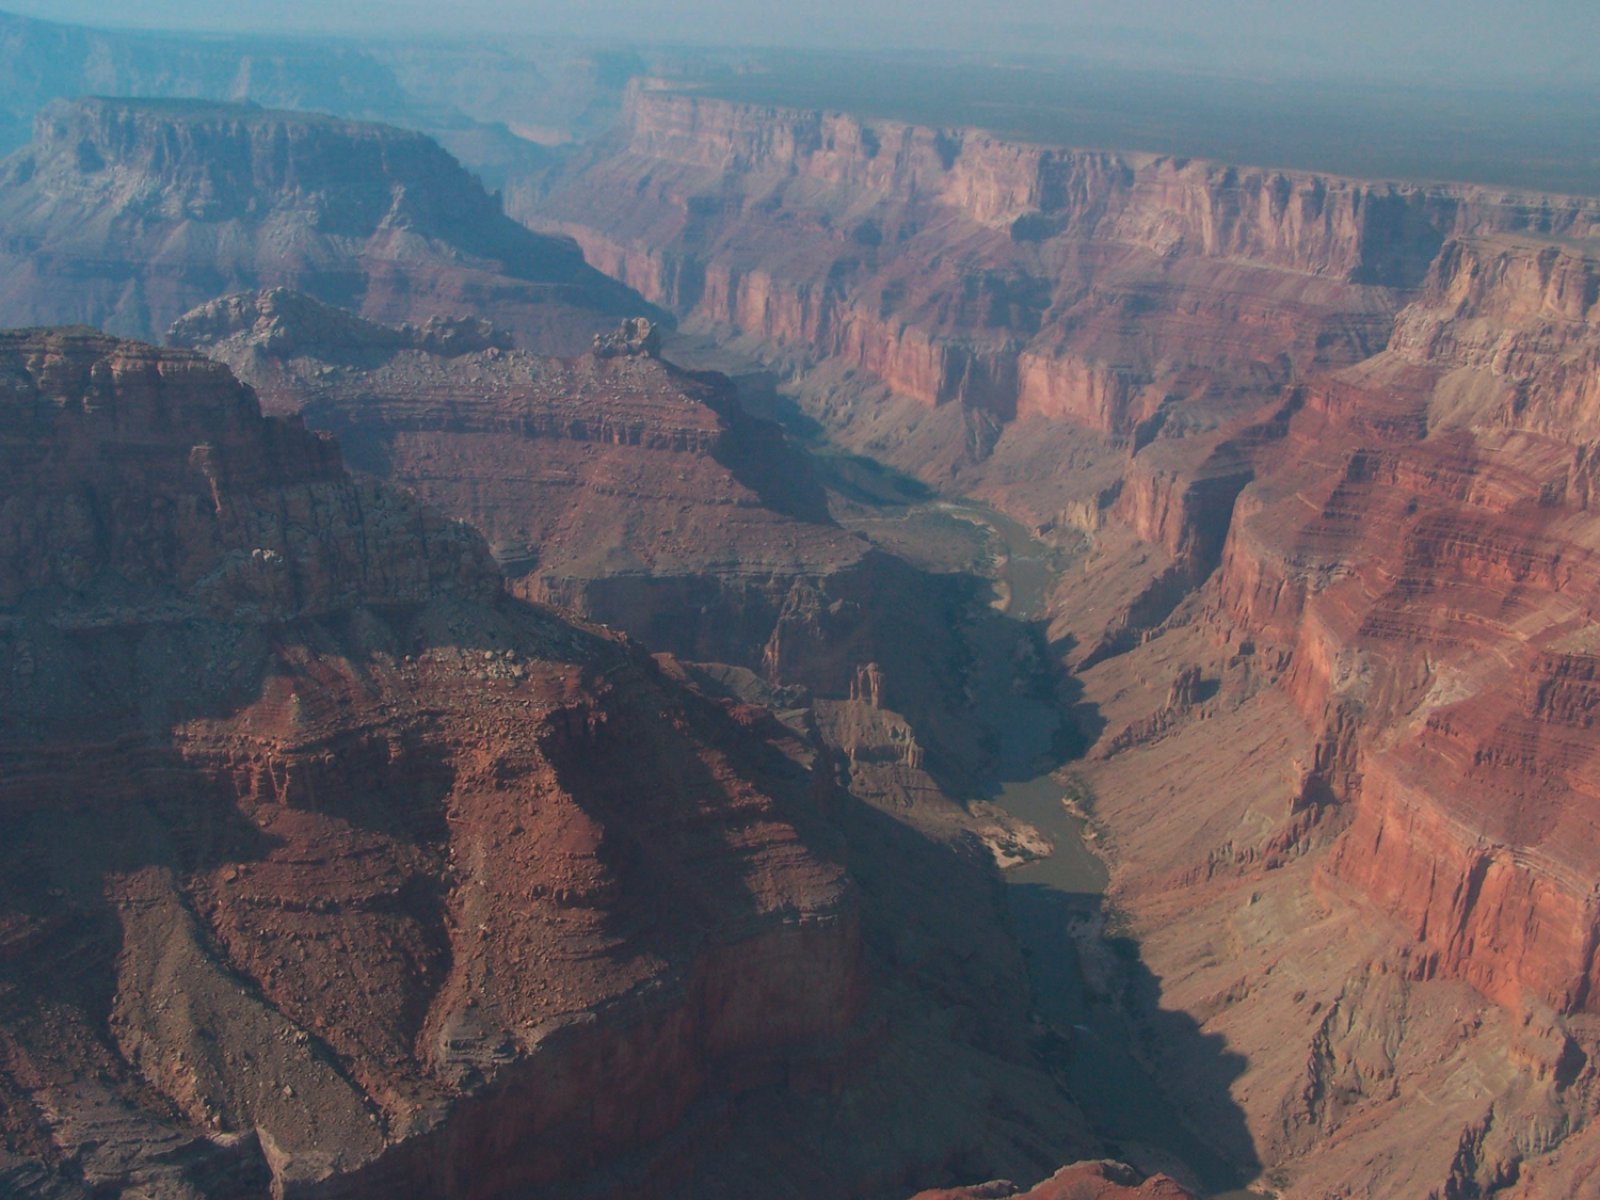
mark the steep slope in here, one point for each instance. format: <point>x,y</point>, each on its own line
<point>1015,279</point>
<point>124,214</point>
<point>1376,879</point>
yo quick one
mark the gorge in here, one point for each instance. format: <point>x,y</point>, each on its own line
<point>1328,440</point>
<point>827,657</point>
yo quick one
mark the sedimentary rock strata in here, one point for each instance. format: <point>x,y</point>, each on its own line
<point>329,866</point>
<point>618,485</point>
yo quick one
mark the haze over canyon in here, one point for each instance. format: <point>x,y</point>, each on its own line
<point>575,625</point>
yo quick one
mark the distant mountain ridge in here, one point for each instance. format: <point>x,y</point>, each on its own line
<point>490,106</point>
<point>41,61</point>
<point>124,214</point>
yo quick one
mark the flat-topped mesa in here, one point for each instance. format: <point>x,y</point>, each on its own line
<point>616,485</point>
<point>1306,222</point>
<point>217,161</point>
<point>126,213</point>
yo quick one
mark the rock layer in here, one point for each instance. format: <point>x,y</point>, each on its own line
<point>620,486</point>
<point>1021,280</point>
<point>332,870</point>
<point>1331,441</point>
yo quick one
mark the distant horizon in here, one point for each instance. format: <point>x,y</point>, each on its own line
<point>1518,134</point>
<point>1463,44</point>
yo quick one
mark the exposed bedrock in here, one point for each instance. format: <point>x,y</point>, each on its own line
<point>1024,280</point>
<point>621,487</point>
<point>332,870</point>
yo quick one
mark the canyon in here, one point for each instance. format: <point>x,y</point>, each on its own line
<point>1329,442</point>
<point>330,868</point>
<point>551,751</point>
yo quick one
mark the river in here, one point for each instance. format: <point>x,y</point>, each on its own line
<point>1079,975</point>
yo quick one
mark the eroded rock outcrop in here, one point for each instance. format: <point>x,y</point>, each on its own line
<point>327,865</point>
<point>124,214</point>
<point>1024,280</point>
<point>332,870</point>
<point>1085,1181</point>
<point>617,485</point>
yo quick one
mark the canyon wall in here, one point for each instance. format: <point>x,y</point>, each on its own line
<point>1027,280</point>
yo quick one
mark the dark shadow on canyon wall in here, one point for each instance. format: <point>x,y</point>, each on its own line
<point>760,457</point>
<point>1107,1037</point>
<point>1104,1034</point>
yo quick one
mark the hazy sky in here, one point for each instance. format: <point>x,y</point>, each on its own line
<point>1550,41</point>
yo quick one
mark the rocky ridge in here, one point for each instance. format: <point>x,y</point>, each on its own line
<point>595,478</point>
<point>329,866</point>
<point>124,214</point>
<point>1086,1181</point>
<point>627,489</point>
<point>309,705</point>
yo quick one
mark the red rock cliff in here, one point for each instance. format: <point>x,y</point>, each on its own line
<point>1020,279</point>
